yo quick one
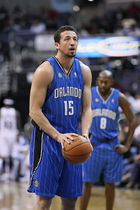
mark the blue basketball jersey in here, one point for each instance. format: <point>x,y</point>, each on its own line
<point>105,115</point>
<point>64,97</point>
<point>51,174</point>
<point>104,160</point>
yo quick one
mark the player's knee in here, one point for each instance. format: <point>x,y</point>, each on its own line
<point>68,203</point>
<point>88,185</point>
<point>44,203</point>
<point>110,185</point>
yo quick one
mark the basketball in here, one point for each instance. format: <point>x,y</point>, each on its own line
<point>78,151</point>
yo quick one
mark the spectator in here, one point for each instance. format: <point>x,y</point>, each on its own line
<point>10,125</point>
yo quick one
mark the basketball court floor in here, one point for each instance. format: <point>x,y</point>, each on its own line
<point>14,196</point>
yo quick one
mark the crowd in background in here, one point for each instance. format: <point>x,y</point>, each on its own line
<point>126,71</point>
<point>116,20</point>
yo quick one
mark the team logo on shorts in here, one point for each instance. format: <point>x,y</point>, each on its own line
<point>36,183</point>
<point>112,100</point>
<point>96,99</point>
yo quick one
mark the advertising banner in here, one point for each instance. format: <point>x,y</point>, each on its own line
<point>116,46</point>
<point>92,47</point>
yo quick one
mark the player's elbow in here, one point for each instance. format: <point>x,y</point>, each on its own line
<point>32,114</point>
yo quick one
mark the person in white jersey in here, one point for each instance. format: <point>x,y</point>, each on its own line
<point>10,124</point>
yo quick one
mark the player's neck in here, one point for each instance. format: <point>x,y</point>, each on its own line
<point>66,63</point>
<point>105,95</point>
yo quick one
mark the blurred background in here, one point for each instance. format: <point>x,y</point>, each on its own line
<point>109,33</point>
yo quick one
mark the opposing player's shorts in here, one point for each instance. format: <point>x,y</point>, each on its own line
<point>50,174</point>
<point>102,161</point>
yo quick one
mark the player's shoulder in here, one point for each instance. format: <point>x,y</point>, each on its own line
<point>123,99</point>
<point>44,67</point>
<point>122,95</point>
<point>3,109</point>
<point>84,67</point>
<point>86,72</point>
<point>44,71</point>
<point>115,92</point>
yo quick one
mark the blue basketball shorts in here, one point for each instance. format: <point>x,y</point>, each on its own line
<point>102,161</point>
<point>50,173</point>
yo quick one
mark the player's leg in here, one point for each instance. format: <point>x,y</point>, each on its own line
<point>15,169</point>
<point>5,154</point>
<point>68,203</point>
<point>43,203</point>
<point>46,164</point>
<point>15,155</point>
<point>7,165</point>
<point>112,174</point>
<point>84,200</point>
<point>110,195</point>
<point>70,181</point>
<point>92,169</point>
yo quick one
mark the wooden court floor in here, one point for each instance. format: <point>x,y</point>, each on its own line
<point>14,196</point>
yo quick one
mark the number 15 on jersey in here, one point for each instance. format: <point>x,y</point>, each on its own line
<point>68,107</point>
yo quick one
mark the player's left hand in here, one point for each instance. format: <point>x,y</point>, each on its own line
<point>86,136</point>
<point>121,148</point>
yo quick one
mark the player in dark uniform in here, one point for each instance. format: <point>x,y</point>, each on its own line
<point>106,158</point>
<point>60,99</point>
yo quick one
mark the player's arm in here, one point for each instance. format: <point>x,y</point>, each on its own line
<point>126,107</point>
<point>41,81</point>
<point>86,103</point>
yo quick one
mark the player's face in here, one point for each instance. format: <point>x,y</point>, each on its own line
<point>104,84</point>
<point>68,43</point>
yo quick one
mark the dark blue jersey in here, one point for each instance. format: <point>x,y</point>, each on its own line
<point>105,115</point>
<point>62,105</point>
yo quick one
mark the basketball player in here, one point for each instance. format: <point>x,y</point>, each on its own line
<point>106,158</point>
<point>60,98</point>
<point>10,123</point>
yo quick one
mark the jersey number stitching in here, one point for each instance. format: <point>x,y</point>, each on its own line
<point>103,123</point>
<point>69,108</point>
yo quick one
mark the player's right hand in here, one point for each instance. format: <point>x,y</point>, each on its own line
<point>65,137</point>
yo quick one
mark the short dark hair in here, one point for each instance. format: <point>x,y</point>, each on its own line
<point>61,29</point>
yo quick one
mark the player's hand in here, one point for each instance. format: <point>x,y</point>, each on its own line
<point>65,137</point>
<point>86,136</point>
<point>121,148</point>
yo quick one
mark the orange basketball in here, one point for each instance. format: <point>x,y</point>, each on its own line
<point>78,151</point>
